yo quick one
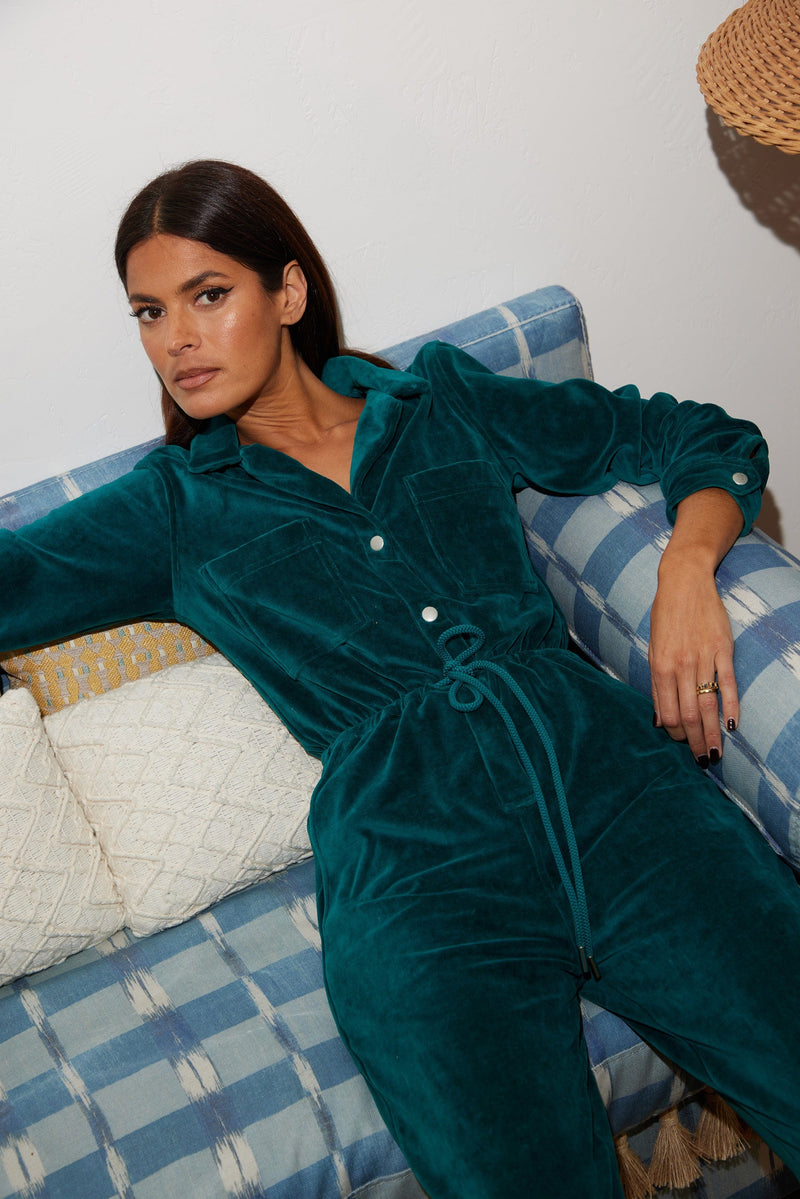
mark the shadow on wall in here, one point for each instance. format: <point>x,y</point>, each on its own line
<point>769,518</point>
<point>766,179</point>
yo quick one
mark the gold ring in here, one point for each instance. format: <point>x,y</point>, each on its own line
<point>707,688</point>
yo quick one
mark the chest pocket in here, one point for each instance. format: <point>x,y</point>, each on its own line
<point>469,515</point>
<point>287,590</point>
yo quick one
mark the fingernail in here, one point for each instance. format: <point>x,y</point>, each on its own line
<point>730,725</point>
<point>702,761</point>
<point>713,755</point>
<point>655,720</point>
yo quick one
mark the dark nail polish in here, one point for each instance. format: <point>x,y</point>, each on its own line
<point>730,725</point>
<point>702,761</point>
<point>713,755</point>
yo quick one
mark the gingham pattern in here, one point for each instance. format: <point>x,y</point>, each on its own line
<point>203,1060</point>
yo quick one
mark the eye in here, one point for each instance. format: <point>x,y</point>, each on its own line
<point>211,295</point>
<point>147,313</point>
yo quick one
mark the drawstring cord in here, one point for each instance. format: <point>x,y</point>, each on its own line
<point>459,672</point>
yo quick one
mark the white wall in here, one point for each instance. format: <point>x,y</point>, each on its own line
<point>445,154</point>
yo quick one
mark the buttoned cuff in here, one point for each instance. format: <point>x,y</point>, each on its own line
<point>744,479</point>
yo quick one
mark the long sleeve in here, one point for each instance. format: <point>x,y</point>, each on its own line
<point>579,438</point>
<point>101,559</point>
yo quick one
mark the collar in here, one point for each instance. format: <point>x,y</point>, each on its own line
<point>218,444</point>
<point>356,377</point>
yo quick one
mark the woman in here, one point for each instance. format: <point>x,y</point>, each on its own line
<point>498,827</point>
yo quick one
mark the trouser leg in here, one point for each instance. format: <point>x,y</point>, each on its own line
<point>696,921</point>
<point>450,969</point>
<point>451,958</point>
<point>474,1053</point>
<point>459,1002</point>
<point>699,949</point>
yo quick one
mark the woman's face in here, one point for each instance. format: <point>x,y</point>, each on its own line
<point>216,338</point>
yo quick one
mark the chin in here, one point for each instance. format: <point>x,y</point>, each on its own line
<point>201,411</point>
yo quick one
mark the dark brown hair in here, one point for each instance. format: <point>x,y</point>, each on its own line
<point>237,213</point>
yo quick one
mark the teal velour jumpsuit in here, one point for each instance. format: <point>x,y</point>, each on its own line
<point>497,823</point>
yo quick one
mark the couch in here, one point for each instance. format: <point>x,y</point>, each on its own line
<point>179,1043</point>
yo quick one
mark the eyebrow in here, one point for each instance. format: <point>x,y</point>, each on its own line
<point>189,285</point>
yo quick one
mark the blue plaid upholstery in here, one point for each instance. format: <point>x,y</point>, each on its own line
<point>203,1060</point>
<point>204,1053</point>
<point>600,555</point>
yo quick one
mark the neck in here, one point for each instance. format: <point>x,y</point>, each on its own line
<point>299,409</point>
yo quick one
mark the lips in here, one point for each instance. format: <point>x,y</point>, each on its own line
<point>196,377</point>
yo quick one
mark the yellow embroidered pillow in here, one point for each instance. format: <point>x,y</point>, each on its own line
<point>62,674</point>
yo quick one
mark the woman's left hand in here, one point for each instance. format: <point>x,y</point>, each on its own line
<point>691,643</point>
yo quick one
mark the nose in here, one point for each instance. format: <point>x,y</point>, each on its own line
<point>180,335</point>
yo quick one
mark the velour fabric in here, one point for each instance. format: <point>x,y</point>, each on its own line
<point>434,870</point>
<point>272,563</point>
<point>450,960</point>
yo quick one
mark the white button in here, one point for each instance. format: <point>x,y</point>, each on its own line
<point>740,478</point>
<point>376,542</point>
<point>430,613</point>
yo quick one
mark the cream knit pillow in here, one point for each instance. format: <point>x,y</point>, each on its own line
<point>56,893</point>
<point>192,784</point>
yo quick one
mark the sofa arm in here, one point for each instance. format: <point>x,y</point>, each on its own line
<point>599,556</point>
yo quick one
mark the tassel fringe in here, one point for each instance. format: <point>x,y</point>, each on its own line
<point>674,1162</point>
<point>720,1133</point>
<point>720,1136</point>
<point>632,1170</point>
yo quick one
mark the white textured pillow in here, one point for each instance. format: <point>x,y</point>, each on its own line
<point>56,893</point>
<point>192,784</point>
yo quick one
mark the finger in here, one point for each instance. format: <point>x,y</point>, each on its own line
<point>678,710</point>
<point>728,691</point>
<point>665,703</point>
<point>708,706</point>
<point>693,718</point>
<point>654,695</point>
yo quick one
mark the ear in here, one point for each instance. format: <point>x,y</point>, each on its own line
<point>294,293</point>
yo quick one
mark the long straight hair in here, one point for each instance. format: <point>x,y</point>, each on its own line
<point>236,213</point>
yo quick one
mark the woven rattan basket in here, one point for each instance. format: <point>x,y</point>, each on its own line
<point>749,72</point>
